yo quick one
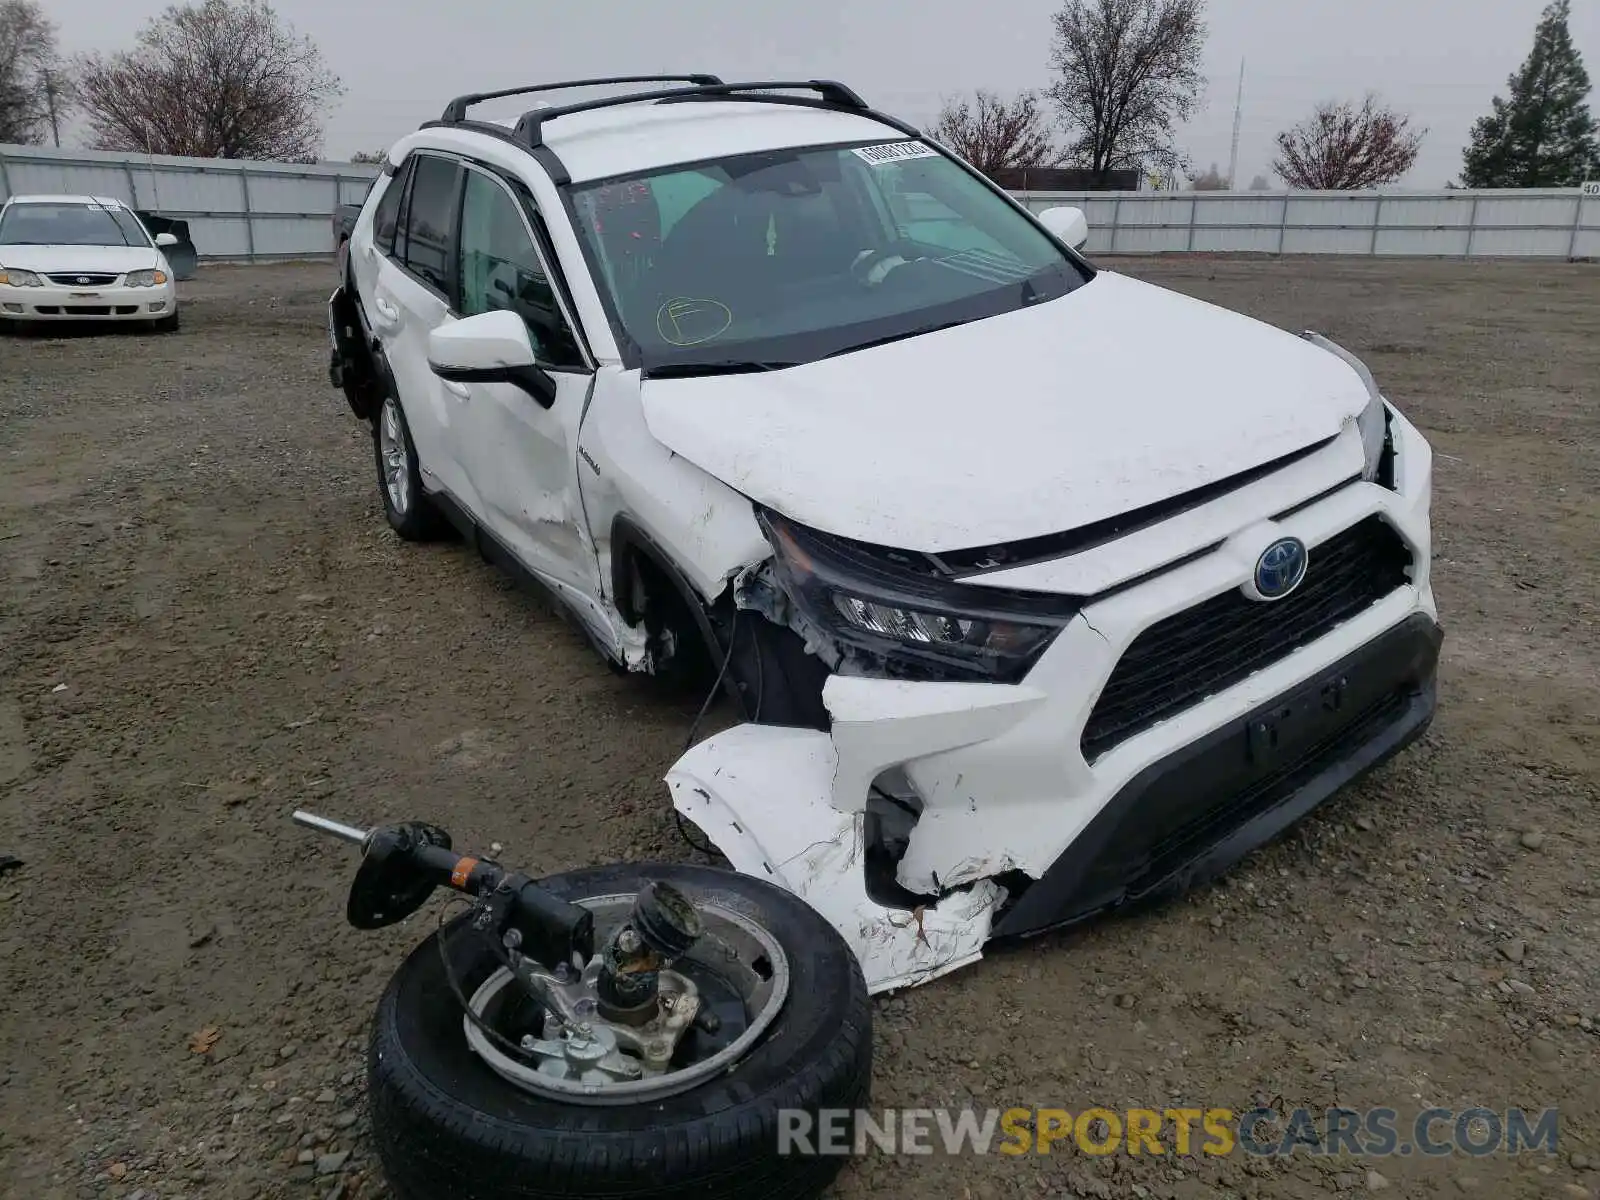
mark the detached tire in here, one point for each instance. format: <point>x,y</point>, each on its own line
<point>446,1127</point>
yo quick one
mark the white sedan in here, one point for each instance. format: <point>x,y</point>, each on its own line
<point>82,258</point>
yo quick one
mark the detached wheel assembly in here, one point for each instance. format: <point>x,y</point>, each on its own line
<point>655,1069</point>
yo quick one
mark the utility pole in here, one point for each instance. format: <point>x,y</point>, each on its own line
<point>1238,112</point>
<point>50,93</point>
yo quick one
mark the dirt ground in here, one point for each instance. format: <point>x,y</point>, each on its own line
<point>204,623</point>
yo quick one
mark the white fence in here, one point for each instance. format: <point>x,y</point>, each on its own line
<point>263,211</point>
<point>256,211</point>
<point>1533,223</point>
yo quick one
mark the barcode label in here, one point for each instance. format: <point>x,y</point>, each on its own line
<point>893,152</point>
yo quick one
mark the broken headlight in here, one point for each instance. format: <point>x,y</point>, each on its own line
<point>871,610</point>
<point>1373,423</point>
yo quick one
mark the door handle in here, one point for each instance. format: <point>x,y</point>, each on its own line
<point>457,389</point>
<point>388,314</point>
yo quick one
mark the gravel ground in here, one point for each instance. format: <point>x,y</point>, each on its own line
<point>204,623</point>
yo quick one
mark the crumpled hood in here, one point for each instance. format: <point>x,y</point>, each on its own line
<point>1117,395</point>
<point>60,260</point>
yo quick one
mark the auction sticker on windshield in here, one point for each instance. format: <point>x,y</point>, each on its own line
<point>893,152</point>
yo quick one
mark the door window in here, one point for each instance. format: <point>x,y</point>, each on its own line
<point>430,220</point>
<point>501,269</point>
<point>387,217</point>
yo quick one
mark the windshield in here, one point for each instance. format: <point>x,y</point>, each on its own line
<point>70,223</point>
<point>787,256</point>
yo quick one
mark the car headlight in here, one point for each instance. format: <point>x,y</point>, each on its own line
<point>151,278</point>
<point>1373,423</point>
<point>888,612</point>
<point>17,277</point>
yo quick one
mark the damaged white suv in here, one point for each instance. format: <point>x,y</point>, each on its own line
<point>1044,590</point>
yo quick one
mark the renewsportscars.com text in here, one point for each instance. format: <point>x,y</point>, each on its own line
<point>1215,1132</point>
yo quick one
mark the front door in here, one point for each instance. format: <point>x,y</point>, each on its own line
<point>523,457</point>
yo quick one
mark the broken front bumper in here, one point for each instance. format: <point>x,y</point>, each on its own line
<point>774,800</point>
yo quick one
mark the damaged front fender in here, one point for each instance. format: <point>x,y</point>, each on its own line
<point>789,805</point>
<point>764,794</point>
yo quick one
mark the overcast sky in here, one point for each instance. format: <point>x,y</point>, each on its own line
<point>401,60</point>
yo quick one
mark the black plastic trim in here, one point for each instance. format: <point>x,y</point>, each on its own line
<point>1393,683</point>
<point>966,564</point>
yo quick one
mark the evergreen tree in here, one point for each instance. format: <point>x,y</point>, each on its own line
<point>1544,134</point>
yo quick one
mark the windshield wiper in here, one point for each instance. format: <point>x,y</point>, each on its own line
<point>731,366</point>
<point>893,337</point>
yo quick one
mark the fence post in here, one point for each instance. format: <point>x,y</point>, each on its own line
<point>1194,207</point>
<point>1116,215</point>
<point>1577,224</point>
<point>133,184</point>
<point>1377,224</point>
<point>1283,224</point>
<point>249,220</point>
<point>1472,224</point>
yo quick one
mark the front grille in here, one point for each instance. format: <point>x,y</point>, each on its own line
<point>1196,653</point>
<point>83,279</point>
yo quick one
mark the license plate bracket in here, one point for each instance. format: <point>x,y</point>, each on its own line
<point>1296,722</point>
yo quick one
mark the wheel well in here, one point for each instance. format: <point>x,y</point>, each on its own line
<point>649,590</point>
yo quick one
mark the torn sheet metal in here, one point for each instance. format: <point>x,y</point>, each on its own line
<point>764,795</point>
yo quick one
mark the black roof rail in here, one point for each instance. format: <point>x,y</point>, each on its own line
<point>456,111</point>
<point>530,128</point>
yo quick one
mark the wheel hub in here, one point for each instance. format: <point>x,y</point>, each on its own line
<point>587,1051</point>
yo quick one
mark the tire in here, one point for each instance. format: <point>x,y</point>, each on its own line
<point>447,1128</point>
<point>166,324</point>
<point>405,504</point>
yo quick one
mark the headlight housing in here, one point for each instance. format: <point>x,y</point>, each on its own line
<point>17,277</point>
<point>1373,423</point>
<point>154,277</point>
<point>874,611</point>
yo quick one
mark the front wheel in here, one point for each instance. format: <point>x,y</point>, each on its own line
<point>447,1124</point>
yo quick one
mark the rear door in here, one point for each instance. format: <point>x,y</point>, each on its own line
<point>411,297</point>
<point>523,457</point>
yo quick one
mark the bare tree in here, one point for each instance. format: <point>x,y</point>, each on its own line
<point>1209,181</point>
<point>1343,147</point>
<point>992,133</point>
<point>1128,72</point>
<point>370,156</point>
<point>217,79</point>
<point>31,85</point>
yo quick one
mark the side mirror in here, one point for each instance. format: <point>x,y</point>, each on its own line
<point>167,240</point>
<point>492,347</point>
<point>1067,223</point>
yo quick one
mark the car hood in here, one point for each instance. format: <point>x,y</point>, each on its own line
<point>1116,395</point>
<point>60,260</point>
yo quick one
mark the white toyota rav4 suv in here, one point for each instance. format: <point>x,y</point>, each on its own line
<point>1044,590</point>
